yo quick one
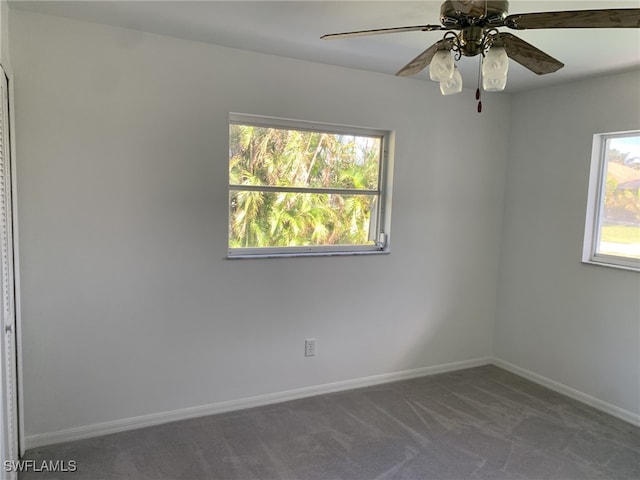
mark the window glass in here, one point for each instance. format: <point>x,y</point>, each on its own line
<point>620,210</point>
<point>294,158</point>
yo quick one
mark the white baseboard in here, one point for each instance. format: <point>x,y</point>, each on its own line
<point>585,398</point>
<point>105,428</point>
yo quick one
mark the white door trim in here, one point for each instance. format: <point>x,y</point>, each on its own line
<point>9,412</point>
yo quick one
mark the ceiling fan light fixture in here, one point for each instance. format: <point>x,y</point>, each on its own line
<point>442,66</point>
<point>473,28</point>
<point>452,85</point>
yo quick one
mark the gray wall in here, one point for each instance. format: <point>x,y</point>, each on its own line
<point>4,33</point>
<point>573,323</point>
<point>129,306</point>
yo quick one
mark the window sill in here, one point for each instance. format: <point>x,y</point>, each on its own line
<point>610,264</point>
<point>306,254</point>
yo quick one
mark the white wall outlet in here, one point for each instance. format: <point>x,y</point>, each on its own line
<point>310,347</point>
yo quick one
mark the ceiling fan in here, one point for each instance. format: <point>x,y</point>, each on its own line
<point>477,23</point>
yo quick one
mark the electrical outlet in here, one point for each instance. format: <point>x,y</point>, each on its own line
<point>310,347</point>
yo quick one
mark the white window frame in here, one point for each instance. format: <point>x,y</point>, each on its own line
<point>383,206</point>
<point>595,204</point>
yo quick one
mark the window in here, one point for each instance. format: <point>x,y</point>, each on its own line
<point>612,232</point>
<point>302,188</point>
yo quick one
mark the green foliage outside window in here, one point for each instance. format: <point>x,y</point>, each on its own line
<point>299,188</point>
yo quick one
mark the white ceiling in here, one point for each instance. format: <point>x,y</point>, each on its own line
<point>293,29</point>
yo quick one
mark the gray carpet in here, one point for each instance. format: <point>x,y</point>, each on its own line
<point>480,423</point>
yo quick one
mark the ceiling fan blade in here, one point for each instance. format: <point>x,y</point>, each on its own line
<point>421,61</point>
<point>527,55</point>
<point>379,31</point>
<point>609,18</point>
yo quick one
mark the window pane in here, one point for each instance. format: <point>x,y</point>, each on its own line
<point>303,159</point>
<point>286,219</point>
<point>620,208</point>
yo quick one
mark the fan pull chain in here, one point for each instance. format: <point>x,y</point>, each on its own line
<point>478,91</point>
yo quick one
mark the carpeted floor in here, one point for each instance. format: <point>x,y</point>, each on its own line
<point>480,423</point>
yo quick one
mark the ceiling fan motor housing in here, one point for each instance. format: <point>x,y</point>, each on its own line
<point>471,41</point>
<point>460,13</point>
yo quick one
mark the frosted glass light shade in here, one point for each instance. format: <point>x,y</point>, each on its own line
<point>442,66</point>
<point>495,61</point>
<point>495,65</point>
<point>494,83</point>
<point>452,85</point>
